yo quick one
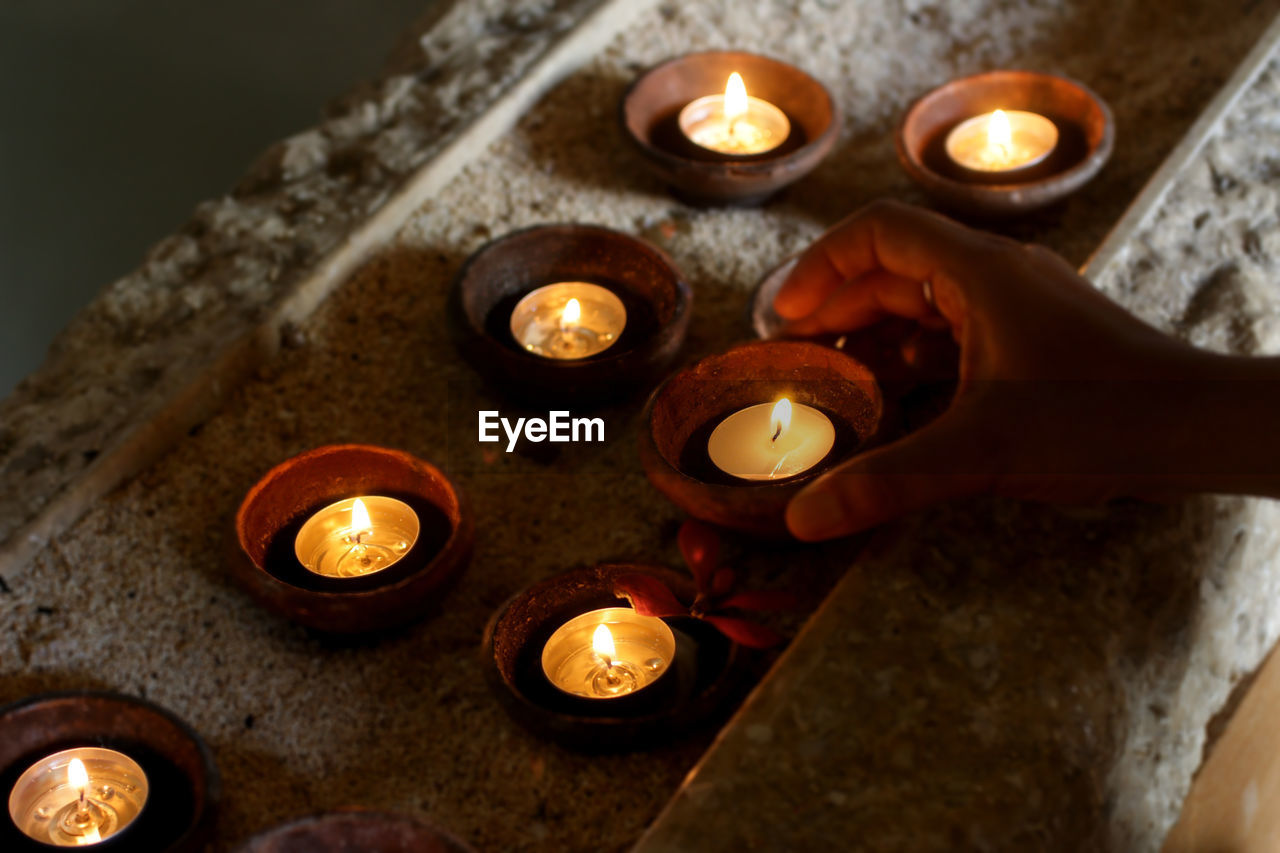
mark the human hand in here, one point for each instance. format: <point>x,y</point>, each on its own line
<point>1060,394</point>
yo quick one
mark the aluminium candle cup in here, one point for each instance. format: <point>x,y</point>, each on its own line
<point>496,277</point>
<point>45,803</point>
<point>183,781</point>
<point>683,410</point>
<point>649,114</point>
<point>1086,136</point>
<point>263,560</point>
<point>344,830</point>
<point>706,678</point>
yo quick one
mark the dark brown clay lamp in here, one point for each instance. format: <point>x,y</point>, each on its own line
<point>345,830</point>
<point>570,660</point>
<point>351,538</point>
<point>715,439</point>
<point>104,772</point>
<point>880,347</point>
<point>767,325</point>
<point>771,126</point>
<point>765,322</point>
<point>1005,142</point>
<point>570,312</point>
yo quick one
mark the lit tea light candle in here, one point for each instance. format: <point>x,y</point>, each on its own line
<point>734,123</point>
<point>1002,141</point>
<point>608,653</point>
<point>568,320</point>
<point>771,441</point>
<point>356,537</point>
<point>78,797</point>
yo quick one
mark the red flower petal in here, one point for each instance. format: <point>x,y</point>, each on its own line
<point>745,633</point>
<point>648,595</point>
<point>722,582</point>
<point>762,599</point>
<point>701,549</point>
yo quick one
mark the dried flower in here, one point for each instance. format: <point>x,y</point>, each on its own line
<point>715,601</point>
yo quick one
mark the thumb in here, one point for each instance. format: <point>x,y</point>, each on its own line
<point>935,464</point>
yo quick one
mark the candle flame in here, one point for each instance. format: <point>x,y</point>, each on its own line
<point>360,516</point>
<point>735,97</point>
<point>999,134</point>
<point>77,776</point>
<point>602,643</point>
<point>572,313</point>
<point>780,422</point>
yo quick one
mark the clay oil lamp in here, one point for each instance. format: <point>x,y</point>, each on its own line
<point>727,127</point>
<point>570,313</point>
<point>733,437</point>
<point>1005,142</point>
<point>351,538</point>
<point>102,771</point>
<point>572,660</point>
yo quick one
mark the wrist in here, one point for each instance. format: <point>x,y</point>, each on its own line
<point>1205,422</point>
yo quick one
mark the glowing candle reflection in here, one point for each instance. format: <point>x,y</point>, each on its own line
<point>568,320</point>
<point>734,123</point>
<point>608,653</point>
<point>78,797</point>
<point>357,536</point>
<point>1002,141</point>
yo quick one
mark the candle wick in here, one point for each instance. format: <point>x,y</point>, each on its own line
<point>777,433</point>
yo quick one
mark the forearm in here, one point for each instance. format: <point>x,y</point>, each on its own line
<point>1210,423</point>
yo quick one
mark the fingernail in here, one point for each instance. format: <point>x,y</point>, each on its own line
<point>816,513</point>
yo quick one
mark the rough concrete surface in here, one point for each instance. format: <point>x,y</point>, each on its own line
<point>974,685</point>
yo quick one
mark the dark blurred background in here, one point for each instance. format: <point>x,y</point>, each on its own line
<point>118,116</point>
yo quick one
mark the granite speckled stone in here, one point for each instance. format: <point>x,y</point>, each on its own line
<point>969,686</point>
